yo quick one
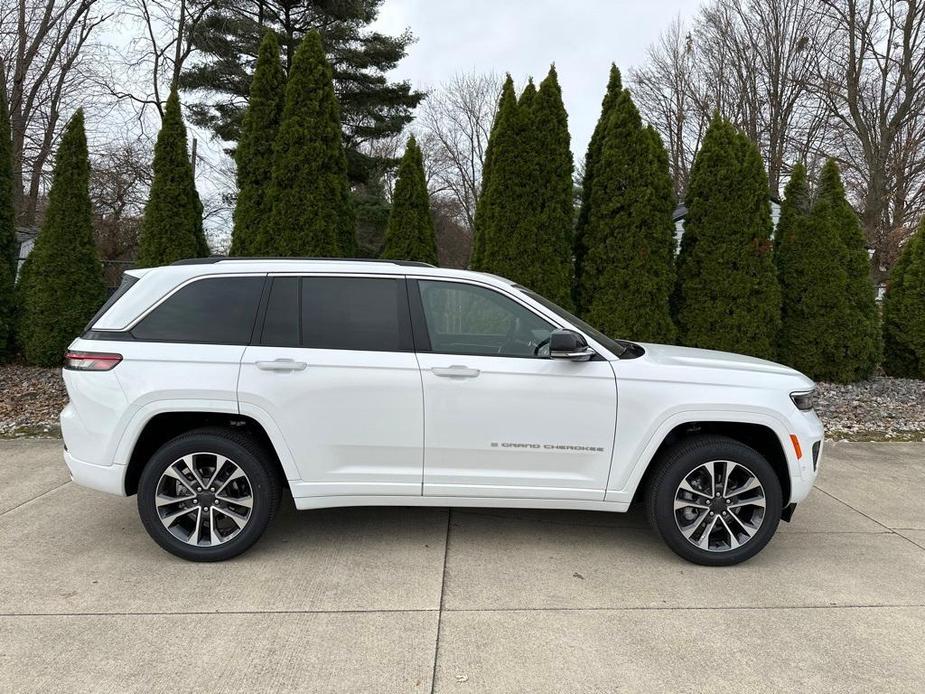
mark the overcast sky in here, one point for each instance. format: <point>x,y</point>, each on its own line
<point>523,37</point>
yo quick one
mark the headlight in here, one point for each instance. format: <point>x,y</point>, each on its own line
<point>804,400</point>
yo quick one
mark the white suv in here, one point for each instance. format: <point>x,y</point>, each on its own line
<point>206,386</point>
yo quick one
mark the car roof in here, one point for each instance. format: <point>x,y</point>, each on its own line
<point>153,284</point>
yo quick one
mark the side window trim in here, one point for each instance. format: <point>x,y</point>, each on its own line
<point>419,320</point>
<point>406,328</point>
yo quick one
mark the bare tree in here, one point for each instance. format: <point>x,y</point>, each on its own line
<point>120,177</point>
<point>454,124</point>
<point>873,84</point>
<point>665,90</point>
<point>43,44</point>
<point>145,73</point>
<point>750,60</point>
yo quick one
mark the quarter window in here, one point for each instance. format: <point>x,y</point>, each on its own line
<point>468,319</point>
<point>217,311</point>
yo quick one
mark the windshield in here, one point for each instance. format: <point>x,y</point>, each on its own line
<point>618,347</point>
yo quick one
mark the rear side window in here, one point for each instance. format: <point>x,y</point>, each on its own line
<point>358,313</point>
<point>217,311</point>
<point>350,313</point>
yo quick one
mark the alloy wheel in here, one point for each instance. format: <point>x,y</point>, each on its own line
<point>719,506</point>
<point>204,499</point>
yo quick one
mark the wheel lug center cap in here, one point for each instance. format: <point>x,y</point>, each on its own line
<point>205,499</point>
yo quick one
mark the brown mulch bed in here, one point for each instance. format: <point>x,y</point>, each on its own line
<point>881,409</point>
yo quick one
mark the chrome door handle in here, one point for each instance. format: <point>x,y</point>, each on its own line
<point>281,365</point>
<point>455,371</point>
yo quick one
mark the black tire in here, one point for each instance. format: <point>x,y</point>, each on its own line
<point>679,462</point>
<point>264,483</point>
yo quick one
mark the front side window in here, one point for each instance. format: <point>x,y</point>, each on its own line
<point>468,319</point>
<point>216,311</point>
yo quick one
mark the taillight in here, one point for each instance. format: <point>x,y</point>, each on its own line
<point>91,361</point>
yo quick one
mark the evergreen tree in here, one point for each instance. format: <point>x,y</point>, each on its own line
<point>8,245</point>
<point>904,312</point>
<point>172,225</point>
<point>810,262</point>
<point>311,212</point>
<point>628,269</point>
<point>549,271</point>
<point>254,155</point>
<point>506,104</point>
<point>410,233</point>
<point>614,89</point>
<point>63,285</point>
<point>860,322</point>
<point>728,294</point>
<point>372,107</point>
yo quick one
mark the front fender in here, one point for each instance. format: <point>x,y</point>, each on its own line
<point>630,462</point>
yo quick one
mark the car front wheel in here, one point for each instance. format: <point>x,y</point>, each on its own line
<point>207,495</point>
<point>714,501</point>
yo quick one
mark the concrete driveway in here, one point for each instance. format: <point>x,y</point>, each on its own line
<point>419,600</point>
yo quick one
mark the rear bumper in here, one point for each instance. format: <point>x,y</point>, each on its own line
<point>105,478</point>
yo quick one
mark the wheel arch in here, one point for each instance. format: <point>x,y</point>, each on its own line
<point>163,426</point>
<point>761,437</point>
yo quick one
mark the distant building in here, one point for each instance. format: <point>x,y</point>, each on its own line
<point>680,213</point>
<point>25,237</point>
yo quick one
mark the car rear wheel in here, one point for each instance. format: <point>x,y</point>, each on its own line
<point>714,501</point>
<point>208,495</point>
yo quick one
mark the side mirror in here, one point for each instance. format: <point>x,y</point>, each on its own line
<point>567,344</point>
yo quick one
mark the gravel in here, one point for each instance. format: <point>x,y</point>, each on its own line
<point>882,409</point>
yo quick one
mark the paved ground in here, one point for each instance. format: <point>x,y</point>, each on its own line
<point>415,600</point>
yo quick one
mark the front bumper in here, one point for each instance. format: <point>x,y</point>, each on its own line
<point>105,478</point>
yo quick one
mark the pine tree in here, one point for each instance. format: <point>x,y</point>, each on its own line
<point>728,294</point>
<point>63,286</point>
<point>860,322</point>
<point>810,262</point>
<point>628,269</point>
<point>904,312</point>
<point>410,233</point>
<point>614,89</point>
<point>8,245</point>
<point>254,155</point>
<point>372,107</point>
<point>506,105</point>
<point>311,212</point>
<point>172,225</point>
<point>547,266</point>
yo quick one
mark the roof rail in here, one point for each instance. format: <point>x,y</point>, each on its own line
<point>219,258</point>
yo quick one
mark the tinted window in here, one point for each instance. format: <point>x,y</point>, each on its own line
<point>281,324</point>
<point>357,313</point>
<point>468,319</point>
<point>217,311</point>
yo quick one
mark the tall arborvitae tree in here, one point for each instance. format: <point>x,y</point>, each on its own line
<point>904,312</point>
<point>372,106</point>
<point>614,89</point>
<point>311,212</point>
<point>810,262</point>
<point>172,225</point>
<point>63,285</point>
<point>628,269</point>
<point>549,267</point>
<point>506,105</point>
<point>860,323</point>
<point>8,245</point>
<point>410,232</point>
<point>728,294</point>
<point>254,155</point>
